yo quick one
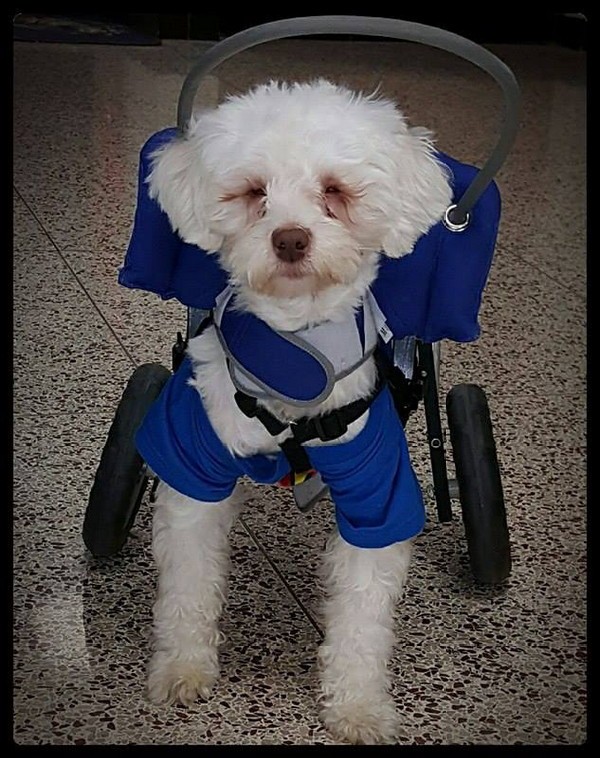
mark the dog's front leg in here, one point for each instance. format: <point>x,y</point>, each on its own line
<point>362,586</point>
<point>191,549</point>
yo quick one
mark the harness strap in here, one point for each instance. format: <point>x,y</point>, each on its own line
<point>249,407</point>
<point>327,427</point>
<point>296,456</point>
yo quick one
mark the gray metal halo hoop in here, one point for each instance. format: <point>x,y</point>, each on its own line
<point>376,27</point>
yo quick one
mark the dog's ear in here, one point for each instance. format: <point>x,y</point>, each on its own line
<point>178,182</point>
<point>418,191</point>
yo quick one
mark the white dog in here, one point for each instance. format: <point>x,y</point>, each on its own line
<point>298,189</point>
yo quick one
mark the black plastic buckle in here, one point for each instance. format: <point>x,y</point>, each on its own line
<point>330,427</point>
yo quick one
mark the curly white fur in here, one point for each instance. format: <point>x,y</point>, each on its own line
<point>343,174</point>
<point>266,160</point>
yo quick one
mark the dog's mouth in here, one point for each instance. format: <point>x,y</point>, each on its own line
<point>295,279</point>
<point>295,270</point>
<point>291,279</point>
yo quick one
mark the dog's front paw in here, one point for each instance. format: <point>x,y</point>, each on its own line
<point>173,680</point>
<point>362,721</point>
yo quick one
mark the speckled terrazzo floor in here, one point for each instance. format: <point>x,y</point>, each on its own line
<point>473,666</point>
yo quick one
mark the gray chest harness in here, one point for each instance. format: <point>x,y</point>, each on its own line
<point>299,368</point>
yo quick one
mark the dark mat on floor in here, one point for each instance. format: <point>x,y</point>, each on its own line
<point>31,27</point>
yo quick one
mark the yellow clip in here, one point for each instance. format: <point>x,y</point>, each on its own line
<point>302,476</point>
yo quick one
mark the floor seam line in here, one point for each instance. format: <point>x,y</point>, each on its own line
<point>250,532</point>
<point>72,271</point>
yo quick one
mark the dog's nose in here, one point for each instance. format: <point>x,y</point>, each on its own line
<point>290,244</point>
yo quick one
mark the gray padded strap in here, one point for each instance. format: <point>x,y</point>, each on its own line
<point>336,346</point>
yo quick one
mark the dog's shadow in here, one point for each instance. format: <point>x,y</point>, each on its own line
<point>117,594</point>
<point>442,556</point>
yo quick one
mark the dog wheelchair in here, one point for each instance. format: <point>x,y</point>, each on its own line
<point>446,273</point>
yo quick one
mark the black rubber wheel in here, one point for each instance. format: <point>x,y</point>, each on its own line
<point>479,483</point>
<point>121,477</point>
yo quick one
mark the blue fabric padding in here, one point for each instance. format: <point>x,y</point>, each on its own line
<point>377,497</point>
<point>181,447</point>
<point>433,293</point>
<point>373,486</point>
<point>271,358</point>
<point>157,260</point>
<point>195,266</point>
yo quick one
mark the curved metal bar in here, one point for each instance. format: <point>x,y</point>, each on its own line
<point>375,27</point>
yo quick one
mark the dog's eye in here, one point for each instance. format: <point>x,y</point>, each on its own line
<point>256,192</point>
<point>331,189</point>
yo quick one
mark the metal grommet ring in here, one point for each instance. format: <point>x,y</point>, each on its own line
<point>451,225</point>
